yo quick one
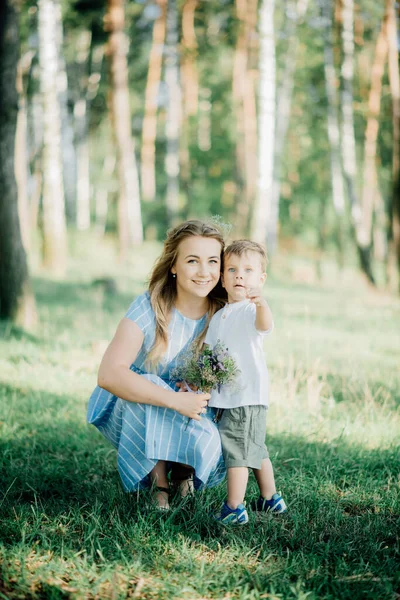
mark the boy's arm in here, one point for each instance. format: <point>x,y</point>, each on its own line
<point>264,320</point>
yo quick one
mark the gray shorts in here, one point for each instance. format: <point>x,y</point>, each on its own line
<point>243,432</point>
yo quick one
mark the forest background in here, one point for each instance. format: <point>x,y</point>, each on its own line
<point>283,120</point>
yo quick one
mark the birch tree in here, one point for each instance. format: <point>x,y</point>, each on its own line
<point>394,81</point>
<point>21,150</point>
<point>348,143</point>
<point>296,11</point>
<point>54,226</point>
<point>244,97</point>
<point>149,128</point>
<point>337,182</point>
<point>264,225</point>
<point>173,114</point>
<point>83,219</point>
<point>16,298</point>
<point>130,227</point>
<point>68,155</point>
<point>364,231</point>
<point>190,91</point>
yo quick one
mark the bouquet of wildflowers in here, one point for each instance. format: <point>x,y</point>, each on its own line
<point>208,370</point>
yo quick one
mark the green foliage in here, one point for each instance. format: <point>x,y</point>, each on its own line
<point>212,183</point>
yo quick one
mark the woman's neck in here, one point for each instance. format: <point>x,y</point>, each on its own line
<point>191,306</point>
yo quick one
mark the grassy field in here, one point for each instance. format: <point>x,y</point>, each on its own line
<point>69,531</point>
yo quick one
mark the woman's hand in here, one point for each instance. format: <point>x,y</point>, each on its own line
<point>191,405</point>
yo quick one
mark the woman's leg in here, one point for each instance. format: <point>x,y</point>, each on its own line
<point>158,477</point>
<point>182,478</point>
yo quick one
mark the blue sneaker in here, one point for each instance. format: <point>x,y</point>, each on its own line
<point>276,505</point>
<point>232,516</point>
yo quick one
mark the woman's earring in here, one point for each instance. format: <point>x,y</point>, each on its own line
<point>174,275</point>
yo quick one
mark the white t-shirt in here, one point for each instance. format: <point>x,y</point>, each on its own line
<point>234,326</point>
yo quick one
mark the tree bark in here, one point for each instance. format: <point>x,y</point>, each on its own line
<point>54,226</point>
<point>174,110</point>
<point>130,225</point>
<point>331,86</point>
<point>21,151</point>
<point>149,128</point>
<point>190,78</point>
<point>248,112</point>
<point>190,93</point>
<point>16,298</point>
<point>394,80</point>
<point>68,155</point>
<point>333,117</point>
<point>296,13</point>
<point>264,226</point>
<point>348,144</point>
<point>238,80</point>
<point>81,109</point>
<point>364,232</point>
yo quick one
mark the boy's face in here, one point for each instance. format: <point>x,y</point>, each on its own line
<point>242,273</point>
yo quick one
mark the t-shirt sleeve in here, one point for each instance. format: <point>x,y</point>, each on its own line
<point>141,312</point>
<point>251,320</point>
<point>210,338</point>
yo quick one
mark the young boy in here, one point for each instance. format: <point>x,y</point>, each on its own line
<point>240,326</point>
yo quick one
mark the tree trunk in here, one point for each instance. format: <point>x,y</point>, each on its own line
<point>348,144</point>
<point>190,79</point>
<point>149,129</point>
<point>83,216</point>
<point>190,93</point>
<point>249,106</point>
<point>333,117</point>
<point>21,152</point>
<point>265,214</point>
<point>348,137</point>
<point>54,227</point>
<point>173,116</point>
<point>394,80</point>
<point>296,13</point>
<point>68,155</point>
<point>364,233</point>
<point>130,225</point>
<point>238,80</point>
<point>16,298</point>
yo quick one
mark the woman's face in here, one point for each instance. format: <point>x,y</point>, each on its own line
<point>198,265</point>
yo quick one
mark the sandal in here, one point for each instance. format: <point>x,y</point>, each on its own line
<point>184,487</point>
<point>182,479</point>
<point>165,492</point>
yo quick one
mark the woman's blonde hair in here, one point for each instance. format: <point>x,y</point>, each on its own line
<point>162,286</point>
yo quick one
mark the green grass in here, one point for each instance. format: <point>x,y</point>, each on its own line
<point>69,531</point>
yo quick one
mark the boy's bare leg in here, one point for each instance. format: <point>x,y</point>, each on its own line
<point>265,479</point>
<point>237,484</point>
<point>158,477</point>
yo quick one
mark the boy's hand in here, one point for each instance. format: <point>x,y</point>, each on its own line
<point>254,295</point>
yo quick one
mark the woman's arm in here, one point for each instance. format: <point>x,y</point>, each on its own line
<point>116,377</point>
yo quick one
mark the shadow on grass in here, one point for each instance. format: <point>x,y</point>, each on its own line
<point>61,493</point>
<point>9,331</point>
<point>80,296</point>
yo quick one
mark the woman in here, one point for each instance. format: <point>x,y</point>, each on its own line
<point>135,405</point>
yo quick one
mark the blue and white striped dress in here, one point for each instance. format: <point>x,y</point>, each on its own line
<point>144,434</point>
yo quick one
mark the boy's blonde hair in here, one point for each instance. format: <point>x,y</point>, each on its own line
<point>162,285</point>
<point>240,247</point>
